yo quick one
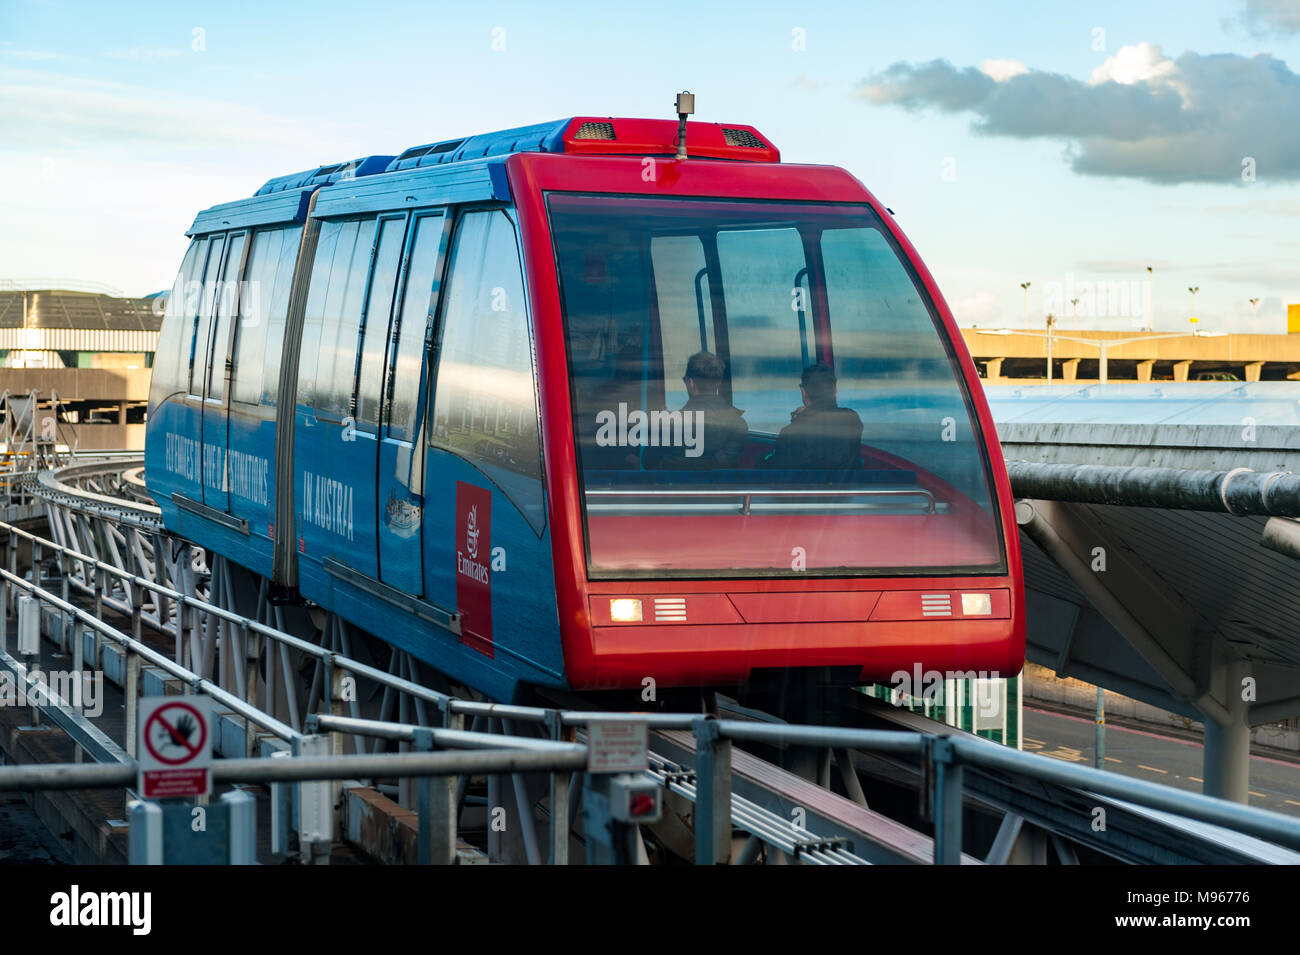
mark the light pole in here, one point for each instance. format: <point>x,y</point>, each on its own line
<point>1103,347</point>
<point>1051,322</point>
<point>1151,300</point>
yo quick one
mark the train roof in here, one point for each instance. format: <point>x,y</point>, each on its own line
<point>463,164</point>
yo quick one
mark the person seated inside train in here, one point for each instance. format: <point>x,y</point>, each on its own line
<point>821,435</point>
<point>712,432</point>
<point>621,389</point>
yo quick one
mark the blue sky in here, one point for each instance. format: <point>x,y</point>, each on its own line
<point>1060,144</point>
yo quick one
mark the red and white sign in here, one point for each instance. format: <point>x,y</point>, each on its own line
<point>617,747</point>
<point>174,751</point>
<point>473,565</point>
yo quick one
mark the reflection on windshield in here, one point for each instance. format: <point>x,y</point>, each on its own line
<point>763,377</point>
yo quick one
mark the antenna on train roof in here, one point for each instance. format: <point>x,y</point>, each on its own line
<point>685,107</point>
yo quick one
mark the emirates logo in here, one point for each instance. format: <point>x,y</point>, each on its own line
<point>471,532</point>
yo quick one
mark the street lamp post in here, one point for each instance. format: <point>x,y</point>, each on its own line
<point>1151,300</point>
<point>1051,323</point>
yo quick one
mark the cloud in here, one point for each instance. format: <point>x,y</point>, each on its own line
<point>1000,70</point>
<point>978,308</point>
<point>48,113</point>
<point>144,54</point>
<point>1261,17</point>
<point>1140,115</point>
<point>30,54</point>
<point>1130,266</point>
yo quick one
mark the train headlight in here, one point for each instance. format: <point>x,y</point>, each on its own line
<point>976,605</point>
<point>625,610</point>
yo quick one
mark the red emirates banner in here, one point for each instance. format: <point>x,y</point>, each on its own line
<point>473,560</point>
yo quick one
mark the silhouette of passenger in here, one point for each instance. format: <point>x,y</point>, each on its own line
<point>821,435</point>
<point>715,432</point>
<point>624,387</point>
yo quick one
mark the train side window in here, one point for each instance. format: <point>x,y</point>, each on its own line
<point>198,355</point>
<point>341,324</point>
<point>420,297</point>
<point>250,335</point>
<point>278,310</point>
<point>485,396</point>
<point>176,336</point>
<point>264,300</point>
<point>685,310</point>
<point>321,270</point>
<point>228,303</point>
<point>379,306</point>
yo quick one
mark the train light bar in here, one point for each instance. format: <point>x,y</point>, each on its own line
<point>625,610</point>
<point>976,605</point>
<point>616,136</point>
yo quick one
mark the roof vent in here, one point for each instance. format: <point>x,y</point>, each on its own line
<point>742,137</point>
<point>595,131</point>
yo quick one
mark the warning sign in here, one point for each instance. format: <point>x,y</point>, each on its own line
<point>617,747</point>
<point>175,747</point>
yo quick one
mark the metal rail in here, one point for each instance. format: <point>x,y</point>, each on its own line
<point>214,628</point>
<point>1239,491</point>
<point>747,495</point>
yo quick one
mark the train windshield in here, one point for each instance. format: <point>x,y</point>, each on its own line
<point>763,389</point>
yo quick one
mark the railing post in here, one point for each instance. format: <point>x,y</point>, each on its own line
<point>437,808</point>
<point>946,775</point>
<point>131,692</point>
<point>97,660</point>
<point>13,569</point>
<point>559,828</point>
<point>712,794</point>
<point>145,843</point>
<point>4,609</point>
<point>252,643</point>
<point>65,618</point>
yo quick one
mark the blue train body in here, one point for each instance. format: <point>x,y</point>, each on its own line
<point>363,543</point>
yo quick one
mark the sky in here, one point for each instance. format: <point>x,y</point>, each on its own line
<point>1068,145</point>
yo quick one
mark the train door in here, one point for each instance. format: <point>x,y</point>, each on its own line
<point>335,478</point>
<point>486,551</point>
<point>375,335</point>
<point>399,481</point>
<point>209,300</point>
<point>214,431</point>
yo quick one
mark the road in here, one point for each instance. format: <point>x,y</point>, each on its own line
<point>1147,754</point>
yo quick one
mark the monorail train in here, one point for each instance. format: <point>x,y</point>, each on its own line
<point>556,407</point>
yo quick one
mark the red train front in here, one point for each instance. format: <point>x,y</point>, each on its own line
<point>766,446</point>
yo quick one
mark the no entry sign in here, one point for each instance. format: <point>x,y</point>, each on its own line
<point>175,747</point>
